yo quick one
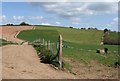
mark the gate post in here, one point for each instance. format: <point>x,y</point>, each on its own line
<point>60,51</point>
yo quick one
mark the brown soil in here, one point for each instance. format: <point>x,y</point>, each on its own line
<point>0,63</point>
<point>0,55</point>
<point>93,70</point>
<point>22,62</point>
<point>9,32</point>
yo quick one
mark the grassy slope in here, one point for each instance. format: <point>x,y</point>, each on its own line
<point>82,43</point>
<point>31,35</point>
<point>76,35</point>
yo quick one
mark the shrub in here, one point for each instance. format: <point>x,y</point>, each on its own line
<point>112,41</point>
<point>46,56</point>
<point>70,27</point>
<point>105,30</point>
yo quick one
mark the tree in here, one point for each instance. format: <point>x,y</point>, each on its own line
<point>105,30</point>
<point>9,24</point>
<point>70,27</point>
<point>23,24</point>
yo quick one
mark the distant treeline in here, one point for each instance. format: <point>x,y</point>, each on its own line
<point>21,24</point>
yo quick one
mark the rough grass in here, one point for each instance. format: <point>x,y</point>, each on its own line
<point>4,42</point>
<point>77,35</point>
<point>87,53</point>
<point>78,44</point>
<point>114,35</point>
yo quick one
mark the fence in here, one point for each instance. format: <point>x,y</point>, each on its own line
<point>55,47</point>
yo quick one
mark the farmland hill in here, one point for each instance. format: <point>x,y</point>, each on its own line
<point>79,44</point>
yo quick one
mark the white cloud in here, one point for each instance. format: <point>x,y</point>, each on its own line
<point>70,0</point>
<point>18,17</point>
<point>58,23</point>
<point>45,24</point>
<point>108,25</point>
<point>115,19</point>
<point>27,17</point>
<point>2,17</point>
<point>35,17</point>
<point>114,24</point>
<point>69,10</point>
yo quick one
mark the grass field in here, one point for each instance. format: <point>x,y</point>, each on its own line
<point>31,35</point>
<point>76,35</point>
<point>81,44</point>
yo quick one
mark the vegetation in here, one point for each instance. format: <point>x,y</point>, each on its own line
<point>111,38</point>
<point>78,44</point>
<point>31,35</point>
<point>24,24</point>
<point>76,35</point>
<point>4,42</point>
<point>9,24</point>
<point>47,56</point>
<point>21,24</point>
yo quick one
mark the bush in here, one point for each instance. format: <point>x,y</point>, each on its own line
<point>46,56</point>
<point>70,27</point>
<point>105,30</point>
<point>112,41</point>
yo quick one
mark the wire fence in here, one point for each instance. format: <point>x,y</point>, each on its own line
<point>53,46</point>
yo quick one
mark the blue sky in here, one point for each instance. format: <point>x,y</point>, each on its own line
<point>83,14</point>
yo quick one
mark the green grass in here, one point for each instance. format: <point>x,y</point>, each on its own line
<point>4,42</point>
<point>31,35</point>
<point>81,44</point>
<point>76,35</point>
<point>114,35</point>
<point>87,53</point>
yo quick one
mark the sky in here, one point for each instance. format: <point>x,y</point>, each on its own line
<point>99,15</point>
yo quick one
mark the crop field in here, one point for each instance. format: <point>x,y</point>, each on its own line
<point>80,45</point>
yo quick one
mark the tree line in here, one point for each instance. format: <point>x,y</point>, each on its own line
<point>21,24</point>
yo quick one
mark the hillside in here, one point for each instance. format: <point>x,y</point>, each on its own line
<point>78,44</point>
<point>76,35</point>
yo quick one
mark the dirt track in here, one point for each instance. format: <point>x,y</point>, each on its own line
<point>0,63</point>
<point>9,32</point>
<point>22,62</point>
<point>0,55</point>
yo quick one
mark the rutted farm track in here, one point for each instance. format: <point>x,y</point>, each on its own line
<point>22,62</point>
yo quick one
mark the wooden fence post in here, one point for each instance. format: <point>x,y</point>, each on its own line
<point>60,51</point>
<point>43,41</point>
<point>46,44</point>
<point>49,44</point>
